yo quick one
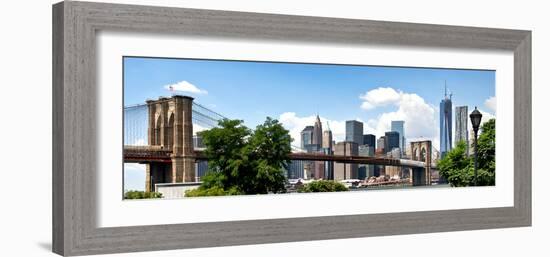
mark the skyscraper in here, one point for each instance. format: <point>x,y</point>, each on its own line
<point>306,136</point>
<point>369,140</point>
<point>327,138</point>
<point>381,142</point>
<point>394,171</point>
<point>445,124</point>
<point>365,170</point>
<point>380,152</point>
<point>295,169</point>
<point>317,132</point>
<point>391,141</point>
<point>201,167</point>
<point>461,124</point>
<point>329,166</point>
<point>354,131</point>
<point>399,126</point>
<point>345,170</point>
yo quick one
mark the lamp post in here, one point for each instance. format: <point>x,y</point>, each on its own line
<point>475,117</point>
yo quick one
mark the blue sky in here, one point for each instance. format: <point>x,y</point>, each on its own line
<point>252,90</point>
<point>294,93</point>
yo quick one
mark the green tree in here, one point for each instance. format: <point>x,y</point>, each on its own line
<point>455,166</point>
<point>267,151</point>
<point>486,146</point>
<point>245,162</point>
<point>458,168</point>
<point>224,148</point>
<point>323,186</point>
<point>134,194</point>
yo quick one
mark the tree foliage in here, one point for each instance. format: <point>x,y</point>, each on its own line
<point>458,168</point>
<point>134,194</point>
<point>323,186</point>
<point>241,161</point>
<point>212,191</point>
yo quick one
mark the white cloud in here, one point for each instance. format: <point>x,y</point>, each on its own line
<point>486,116</point>
<point>184,86</point>
<point>381,96</point>
<point>296,124</point>
<point>419,116</point>
<point>491,103</point>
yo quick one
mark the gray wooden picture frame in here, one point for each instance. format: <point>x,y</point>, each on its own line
<point>75,25</point>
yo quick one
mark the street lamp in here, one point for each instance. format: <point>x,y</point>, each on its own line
<point>475,117</point>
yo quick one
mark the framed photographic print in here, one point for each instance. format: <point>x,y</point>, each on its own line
<point>248,128</point>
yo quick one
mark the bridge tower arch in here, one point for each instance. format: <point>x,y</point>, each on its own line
<point>169,131</point>
<point>422,151</point>
<point>170,127</point>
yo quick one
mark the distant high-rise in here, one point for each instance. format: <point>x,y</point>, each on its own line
<point>399,126</point>
<point>327,138</point>
<point>365,170</point>
<point>381,142</point>
<point>461,124</point>
<point>446,124</point>
<point>394,171</point>
<point>354,131</point>
<point>345,170</point>
<point>328,166</point>
<point>306,136</point>
<point>201,167</point>
<point>197,142</point>
<point>328,148</point>
<point>391,141</point>
<point>317,132</point>
<point>380,152</point>
<point>369,140</point>
<point>295,169</point>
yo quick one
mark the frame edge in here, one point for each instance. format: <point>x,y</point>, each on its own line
<point>73,234</point>
<point>523,129</point>
<point>58,206</point>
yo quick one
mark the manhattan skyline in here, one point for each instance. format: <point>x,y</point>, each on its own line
<point>295,93</point>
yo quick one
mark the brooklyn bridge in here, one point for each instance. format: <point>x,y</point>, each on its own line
<point>159,134</point>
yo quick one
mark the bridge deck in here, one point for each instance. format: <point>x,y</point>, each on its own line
<point>146,154</point>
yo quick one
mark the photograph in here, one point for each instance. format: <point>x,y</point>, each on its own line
<point>201,127</point>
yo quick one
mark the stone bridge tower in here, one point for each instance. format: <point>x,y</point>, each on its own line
<point>422,151</point>
<point>170,128</point>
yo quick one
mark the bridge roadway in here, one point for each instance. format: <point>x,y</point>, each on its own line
<point>147,154</point>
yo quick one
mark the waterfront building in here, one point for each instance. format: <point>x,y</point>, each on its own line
<point>354,131</point>
<point>197,142</point>
<point>295,169</point>
<point>345,170</point>
<point>365,170</point>
<point>201,167</point>
<point>394,171</point>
